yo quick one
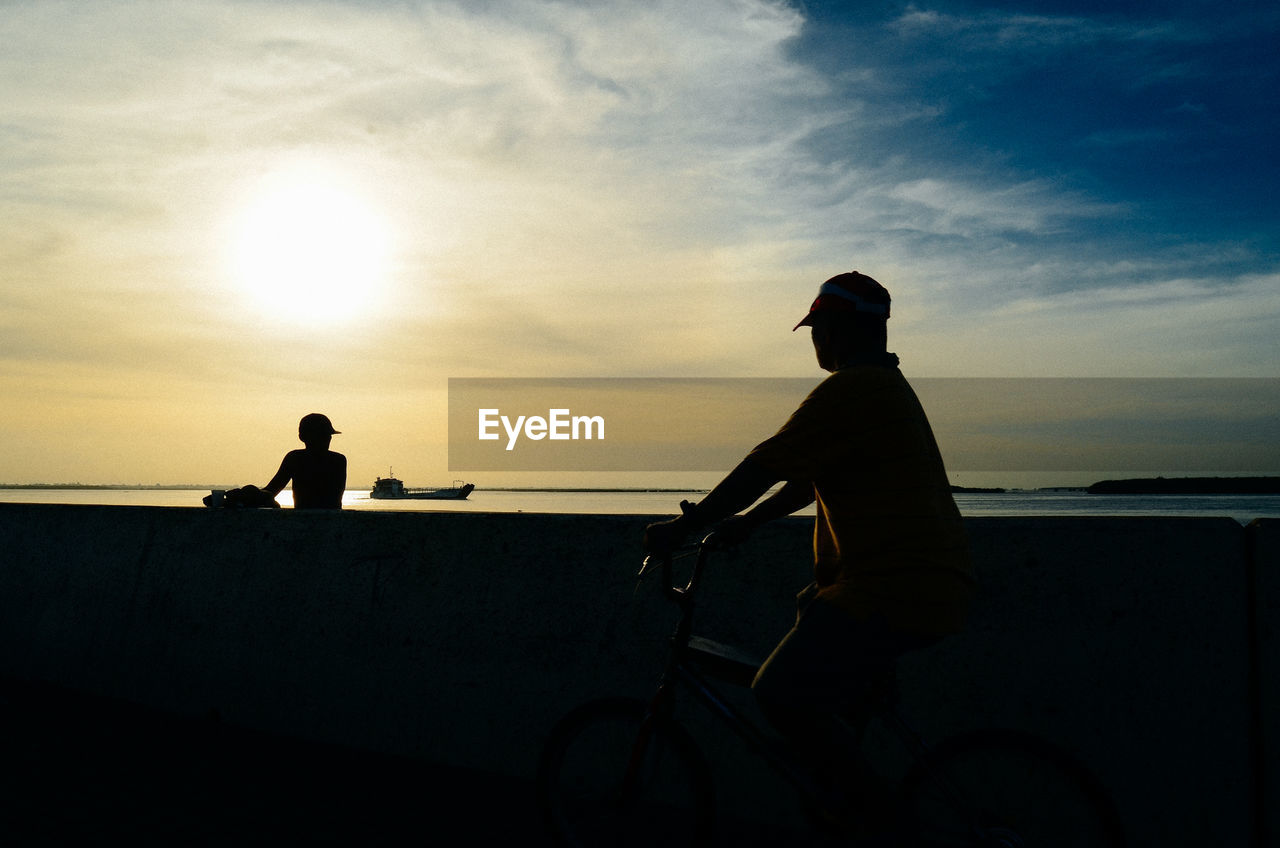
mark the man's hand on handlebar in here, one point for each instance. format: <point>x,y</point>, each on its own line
<point>665,536</point>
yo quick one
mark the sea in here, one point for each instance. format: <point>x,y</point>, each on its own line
<point>1075,502</point>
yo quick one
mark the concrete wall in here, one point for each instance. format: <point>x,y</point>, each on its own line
<point>462,637</point>
<point>1264,542</point>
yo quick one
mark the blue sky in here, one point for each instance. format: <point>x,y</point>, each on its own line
<point>1148,126</point>
<point>223,215</point>
<point>1166,110</point>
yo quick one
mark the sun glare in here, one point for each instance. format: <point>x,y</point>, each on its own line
<point>309,249</point>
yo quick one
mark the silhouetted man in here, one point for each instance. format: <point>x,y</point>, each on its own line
<point>319,475</point>
<point>891,565</point>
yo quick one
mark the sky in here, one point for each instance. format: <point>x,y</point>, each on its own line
<point>220,216</point>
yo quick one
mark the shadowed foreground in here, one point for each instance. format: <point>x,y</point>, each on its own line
<point>83,770</point>
<point>462,638</point>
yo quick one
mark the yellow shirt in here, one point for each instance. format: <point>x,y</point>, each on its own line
<point>888,542</point>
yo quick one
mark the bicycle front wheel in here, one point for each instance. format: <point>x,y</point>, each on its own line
<point>608,778</point>
<point>1006,789</point>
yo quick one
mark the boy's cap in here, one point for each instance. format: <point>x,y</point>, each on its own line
<point>851,292</point>
<point>316,423</point>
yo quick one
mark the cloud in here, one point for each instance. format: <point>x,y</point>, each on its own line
<point>1000,31</point>
<point>945,207</point>
<point>544,148</point>
<point>601,188</point>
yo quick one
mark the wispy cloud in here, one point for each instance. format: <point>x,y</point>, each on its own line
<point>631,189</point>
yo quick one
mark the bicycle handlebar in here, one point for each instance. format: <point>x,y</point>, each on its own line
<point>680,594</point>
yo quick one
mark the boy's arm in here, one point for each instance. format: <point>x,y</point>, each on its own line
<point>281,479</point>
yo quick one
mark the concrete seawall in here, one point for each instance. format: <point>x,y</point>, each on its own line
<point>1147,646</point>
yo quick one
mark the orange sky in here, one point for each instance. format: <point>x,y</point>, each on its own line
<point>222,216</point>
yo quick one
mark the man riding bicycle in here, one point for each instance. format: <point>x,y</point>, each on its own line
<point>891,563</point>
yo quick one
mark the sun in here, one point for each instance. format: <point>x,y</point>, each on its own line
<point>308,248</point>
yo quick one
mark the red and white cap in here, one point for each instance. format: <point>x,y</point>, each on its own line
<point>851,292</point>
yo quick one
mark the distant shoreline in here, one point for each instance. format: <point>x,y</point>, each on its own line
<point>120,487</point>
<point>1188,486</point>
<point>1128,486</point>
<point>184,487</point>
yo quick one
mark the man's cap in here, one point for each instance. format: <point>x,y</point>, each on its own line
<point>851,292</point>
<point>316,423</point>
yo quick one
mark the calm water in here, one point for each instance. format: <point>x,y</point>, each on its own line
<point>1242,508</point>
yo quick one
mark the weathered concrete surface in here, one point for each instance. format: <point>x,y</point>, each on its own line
<point>1126,642</point>
<point>1265,545</point>
<point>462,637</point>
<point>87,771</point>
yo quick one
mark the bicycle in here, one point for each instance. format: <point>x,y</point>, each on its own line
<point>622,771</point>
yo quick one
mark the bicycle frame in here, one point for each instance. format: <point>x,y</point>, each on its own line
<point>688,652</point>
<point>685,675</point>
<point>969,788</point>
